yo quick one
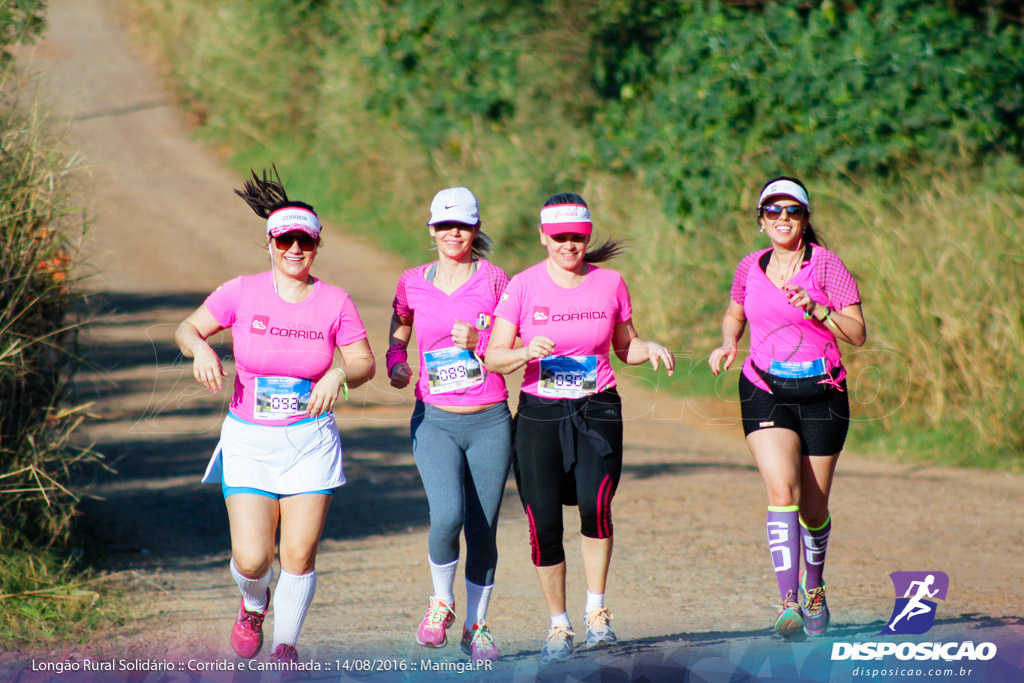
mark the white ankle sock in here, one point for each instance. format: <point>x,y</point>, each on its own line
<point>254,591</point>
<point>594,601</point>
<point>561,620</point>
<point>443,576</point>
<point>291,602</point>
<point>477,600</point>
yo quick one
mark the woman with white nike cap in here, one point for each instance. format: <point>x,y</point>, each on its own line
<point>799,298</point>
<point>461,425</point>
<point>279,456</point>
<point>569,314</point>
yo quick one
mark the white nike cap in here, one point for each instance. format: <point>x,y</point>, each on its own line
<point>454,204</point>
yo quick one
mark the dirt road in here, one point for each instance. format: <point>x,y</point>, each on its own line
<point>691,587</point>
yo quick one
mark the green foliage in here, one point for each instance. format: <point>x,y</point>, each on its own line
<point>20,21</point>
<point>439,64</point>
<point>729,94</point>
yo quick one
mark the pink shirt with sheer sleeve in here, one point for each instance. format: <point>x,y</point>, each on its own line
<point>434,313</point>
<point>779,331</point>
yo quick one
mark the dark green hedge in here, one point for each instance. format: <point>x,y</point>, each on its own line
<point>440,63</point>
<point>702,99</point>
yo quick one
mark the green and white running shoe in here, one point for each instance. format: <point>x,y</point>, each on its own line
<point>790,620</point>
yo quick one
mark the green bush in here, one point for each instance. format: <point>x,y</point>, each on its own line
<point>439,64</point>
<point>42,592</point>
<point>38,334</point>
<point>20,21</point>
<point>38,240</point>
<point>727,94</point>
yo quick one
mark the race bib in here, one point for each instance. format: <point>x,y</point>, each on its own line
<point>797,369</point>
<point>567,376</point>
<point>278,398</point>
<point>452,369</point>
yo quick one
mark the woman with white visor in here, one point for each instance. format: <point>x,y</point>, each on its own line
<point>279,456</point>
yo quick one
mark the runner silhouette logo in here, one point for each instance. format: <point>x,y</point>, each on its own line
<point>916,592</point>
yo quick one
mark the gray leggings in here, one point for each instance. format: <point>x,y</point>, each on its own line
<point>463,461</point>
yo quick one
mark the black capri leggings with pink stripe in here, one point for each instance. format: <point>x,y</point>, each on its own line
<point>567,452</point>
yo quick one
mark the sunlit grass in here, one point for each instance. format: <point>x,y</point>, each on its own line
<point>46,599</point>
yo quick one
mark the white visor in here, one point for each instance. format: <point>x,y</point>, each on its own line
<point>293,218</point>
<point>787,188</point>
<point>562,218</point>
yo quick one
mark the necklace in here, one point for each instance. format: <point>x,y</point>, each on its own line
<point>789,272</point>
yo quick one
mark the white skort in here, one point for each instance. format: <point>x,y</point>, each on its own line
<point>297,458</point>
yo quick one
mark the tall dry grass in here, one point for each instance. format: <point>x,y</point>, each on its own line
<point>40,231</point>
<point>941,259</point>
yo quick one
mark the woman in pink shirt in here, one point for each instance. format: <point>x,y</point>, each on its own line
<point>799,299</point>
<point>570,314</point>
<point>461,423</point>
<point>279,455</point>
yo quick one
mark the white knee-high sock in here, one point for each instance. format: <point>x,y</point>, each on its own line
<point>477,600</point>
<point>254,591</point>
<point>291,602</point>
<point>443,576</point>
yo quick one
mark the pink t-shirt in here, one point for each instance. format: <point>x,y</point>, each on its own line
<point>433,313</point>
<point>779,331</point>
<point>580,320</point>
<point>276,339</point>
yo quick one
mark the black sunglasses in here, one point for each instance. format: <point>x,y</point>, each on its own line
<point>774,211</point>
<point>569,237</point>
<point>284,242</point>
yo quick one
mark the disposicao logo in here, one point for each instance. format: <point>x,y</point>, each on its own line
<point>540,315</point>
<point>912,614</point>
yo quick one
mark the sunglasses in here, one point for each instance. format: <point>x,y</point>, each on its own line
<point>568,237</point>
<point>774,211</point>
<point>285,241</point>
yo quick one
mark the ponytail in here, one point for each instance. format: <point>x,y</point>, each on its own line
<point>811,236</point>
<point>266,194</point>
<point>606,252</point>
<point>481,243</point>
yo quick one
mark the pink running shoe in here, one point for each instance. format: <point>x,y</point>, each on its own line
<point>478,643</point>
<point>285,654</point>
<point>440,615</point>
<point>247,633</point>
